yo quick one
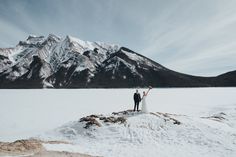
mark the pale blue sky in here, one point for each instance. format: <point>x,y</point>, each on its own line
<point>191,36</point>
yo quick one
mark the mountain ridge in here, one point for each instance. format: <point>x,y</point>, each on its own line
<point>54,62</point>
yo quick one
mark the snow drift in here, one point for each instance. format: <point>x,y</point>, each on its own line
<point>154,134</point>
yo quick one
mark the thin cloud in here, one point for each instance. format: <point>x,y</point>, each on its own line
<point>195,37</point>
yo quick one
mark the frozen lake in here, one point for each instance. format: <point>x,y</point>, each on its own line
<point>26,113</point>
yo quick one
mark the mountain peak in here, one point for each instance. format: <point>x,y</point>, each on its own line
<point>74,63</point>
<point>72,39</point>
<point>32,40</point>
<point>53,37</point>
<point>31,36</point>
<point>78,45</point>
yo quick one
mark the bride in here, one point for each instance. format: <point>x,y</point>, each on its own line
<point>144,105</point>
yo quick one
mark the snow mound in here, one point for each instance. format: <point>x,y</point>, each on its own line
<point>130,133</point>
<point>116,125</point>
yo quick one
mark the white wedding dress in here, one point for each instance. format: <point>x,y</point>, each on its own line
<point>144,105</point>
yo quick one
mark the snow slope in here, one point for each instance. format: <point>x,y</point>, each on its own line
<point>207,119</point>
<point>152,135</point>
<point>54,53</point>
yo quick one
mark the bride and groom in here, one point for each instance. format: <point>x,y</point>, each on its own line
<point>137,99</point>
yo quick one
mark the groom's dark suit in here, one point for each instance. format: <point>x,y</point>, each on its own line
<point>137,99</point>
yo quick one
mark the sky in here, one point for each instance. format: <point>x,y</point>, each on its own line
<point>194,37</point>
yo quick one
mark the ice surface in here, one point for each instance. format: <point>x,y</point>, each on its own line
<point>207,115</point>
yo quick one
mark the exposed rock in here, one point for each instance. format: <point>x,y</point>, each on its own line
<point>21,147</point>
<point>217,117</point>
<point>93,120</point>
<point>33,148</point>
<point>58,154</point>
<point>167,117</point>
<point>90,120</point>
<point>112,119</point>
<point>122,112</point>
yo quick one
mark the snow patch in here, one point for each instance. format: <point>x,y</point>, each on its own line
<point>141,60</point>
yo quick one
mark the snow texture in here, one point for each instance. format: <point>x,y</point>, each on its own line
<point>55,51</point>
<point>207,119</point>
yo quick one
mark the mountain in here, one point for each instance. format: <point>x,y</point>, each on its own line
<point>54,62</point>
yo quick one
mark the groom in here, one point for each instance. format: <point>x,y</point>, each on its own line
<point>137,99</point>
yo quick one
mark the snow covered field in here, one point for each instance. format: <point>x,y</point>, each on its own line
<point>41,113</point>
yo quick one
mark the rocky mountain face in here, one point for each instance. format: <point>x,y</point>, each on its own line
<point>54,62</point>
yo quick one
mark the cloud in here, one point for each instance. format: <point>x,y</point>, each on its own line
<point>8,32</point>
<point>195,37</point>
<point>189,39</point>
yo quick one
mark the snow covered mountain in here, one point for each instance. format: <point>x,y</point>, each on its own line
<point>54,62</point>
